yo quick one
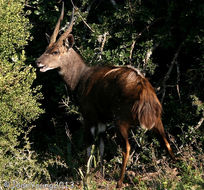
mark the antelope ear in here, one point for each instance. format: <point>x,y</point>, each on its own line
<point>69,42</point>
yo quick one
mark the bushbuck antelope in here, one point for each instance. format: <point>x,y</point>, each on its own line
<point>104,93</point>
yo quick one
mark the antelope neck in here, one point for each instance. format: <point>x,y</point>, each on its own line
<point>72,68</point>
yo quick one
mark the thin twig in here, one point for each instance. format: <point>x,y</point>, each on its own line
<point>147,56</point>
<point>173,62</point>
<point>135,139</point>
<point>131,50</point>
<point>77,10</point>
<point>140,34</point>
<point>85,22</point>
<point>104,41</point>
<point>200,122</point>
<point>147,28</point>
<point>73,4</point>
<point>68,132</point>
<point>178,80</point>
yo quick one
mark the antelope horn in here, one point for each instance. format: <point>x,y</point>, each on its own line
<point>56,31</point>
<point>68,30</point>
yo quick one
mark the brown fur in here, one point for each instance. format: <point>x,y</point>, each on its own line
<point>111,89</point>
<point>119,93</point>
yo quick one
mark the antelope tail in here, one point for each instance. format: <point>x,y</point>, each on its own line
<point>147,109</point>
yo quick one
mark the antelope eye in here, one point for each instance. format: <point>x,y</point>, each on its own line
<point>55,52</point>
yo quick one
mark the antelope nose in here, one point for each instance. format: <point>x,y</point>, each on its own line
<point>37,62</point>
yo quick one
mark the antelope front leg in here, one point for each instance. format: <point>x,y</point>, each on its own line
<point>124,132</point>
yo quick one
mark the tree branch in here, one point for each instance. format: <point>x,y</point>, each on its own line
<point>200,122</point>
<point>85,22</point>
<point>147,28</point>
<point>173,62</point>
<point>77,10</point>
<point>131,50</point>
<point>138,36</point>
<point>178,80</point>
<point>104,41</point>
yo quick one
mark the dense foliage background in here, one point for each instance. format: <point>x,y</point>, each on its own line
<point>164,38</point>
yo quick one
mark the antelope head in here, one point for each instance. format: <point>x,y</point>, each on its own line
<point>57,50</point>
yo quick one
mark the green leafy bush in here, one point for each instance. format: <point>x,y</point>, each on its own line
<point>14,28</point>
<point>19,105</point>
